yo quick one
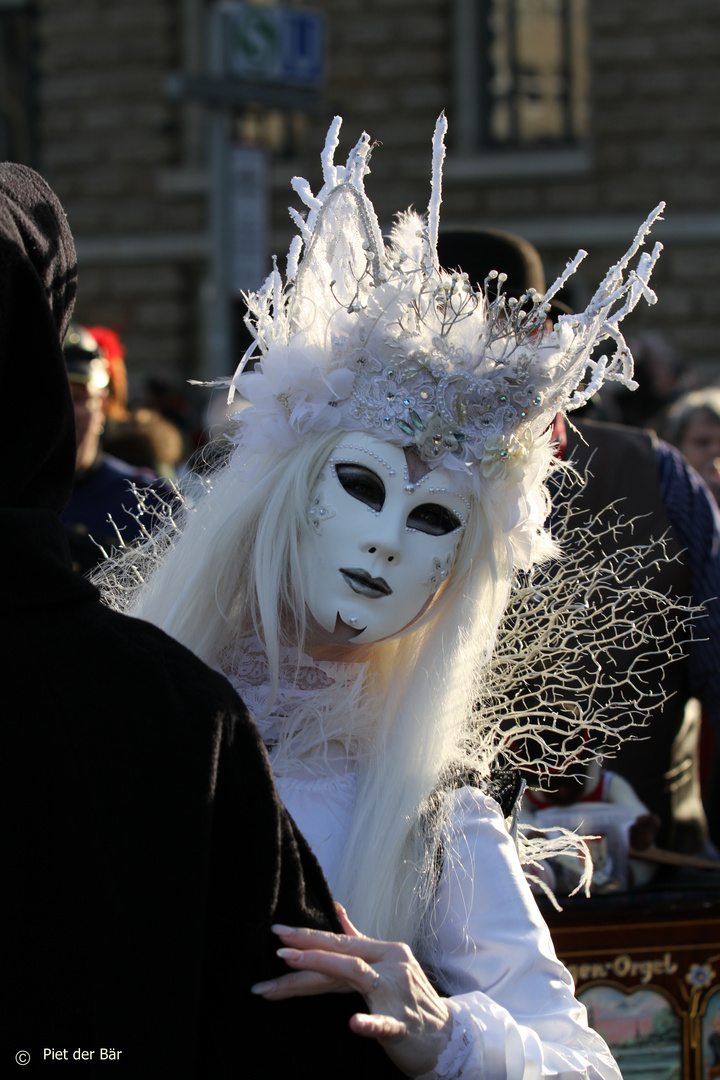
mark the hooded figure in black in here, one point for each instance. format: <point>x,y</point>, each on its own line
<point>149,854</point>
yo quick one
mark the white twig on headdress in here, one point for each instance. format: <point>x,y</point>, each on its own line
<point>357,163</point>
<point>330,170</point>
<point>296,245</point>
<point>568,272</point>
<point>302,188</point>
<point>605,294</point>
<point>438,158</point>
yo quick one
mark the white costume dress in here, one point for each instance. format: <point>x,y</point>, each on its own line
<point>514,1010</point>
<point>512,1000</point>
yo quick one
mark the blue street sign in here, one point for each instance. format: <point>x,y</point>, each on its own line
<point>274,44</point>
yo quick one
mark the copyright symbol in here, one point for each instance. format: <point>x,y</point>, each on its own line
<point>22,1057</point>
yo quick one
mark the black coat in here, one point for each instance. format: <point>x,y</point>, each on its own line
<point>148,852</point>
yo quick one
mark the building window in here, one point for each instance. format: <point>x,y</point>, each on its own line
<point>534,58</point>
<point>17,82</point>
<point>521,73</point>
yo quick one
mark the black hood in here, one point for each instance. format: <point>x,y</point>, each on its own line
<point>38,275</point>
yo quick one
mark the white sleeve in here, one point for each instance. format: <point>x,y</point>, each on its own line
<point>622,793</point>
<point>514,1009</point>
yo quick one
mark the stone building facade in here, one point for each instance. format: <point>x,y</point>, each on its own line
<point>131,164</point>
<point>112,145</point>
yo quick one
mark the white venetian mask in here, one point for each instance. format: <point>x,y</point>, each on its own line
<point>377,546</point>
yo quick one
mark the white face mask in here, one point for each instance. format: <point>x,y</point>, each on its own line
<point>377,546</point>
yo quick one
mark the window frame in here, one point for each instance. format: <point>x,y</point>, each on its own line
<point>472,156</point>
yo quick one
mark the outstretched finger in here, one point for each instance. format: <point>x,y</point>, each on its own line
<point>325,941</point>
<point>349,972</point>
<point>347,926</point>
<point>298,984</point>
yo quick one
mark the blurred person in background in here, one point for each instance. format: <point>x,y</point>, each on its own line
<point>113,351</point>
<point>137,434</point>
<point>147,440</point>
<point>662,375</point>
<point>652,484</point>
<point>167,394</point>
<point>692,424</point>
<point>103,511</point>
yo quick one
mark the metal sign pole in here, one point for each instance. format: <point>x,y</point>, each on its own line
<point>268,56</point>
<point>219,343</point>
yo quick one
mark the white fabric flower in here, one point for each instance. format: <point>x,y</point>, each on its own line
<point>505,456</point>
<point>291,393</point>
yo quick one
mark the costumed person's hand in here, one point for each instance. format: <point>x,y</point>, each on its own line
<point>409,1019</point>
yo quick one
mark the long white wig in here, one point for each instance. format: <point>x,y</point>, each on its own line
<point>227,571</point>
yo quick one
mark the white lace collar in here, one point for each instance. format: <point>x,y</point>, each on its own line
<point>318,701</point>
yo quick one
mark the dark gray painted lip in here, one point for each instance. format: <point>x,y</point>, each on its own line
<point>363,583</point>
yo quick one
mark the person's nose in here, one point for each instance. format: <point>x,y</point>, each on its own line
<point>384,540</point>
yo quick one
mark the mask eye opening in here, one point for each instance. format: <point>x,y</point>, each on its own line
<point>433,519</point>
<point>361,483</point>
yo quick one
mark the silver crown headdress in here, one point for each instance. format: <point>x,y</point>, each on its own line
<point>376,337</point>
